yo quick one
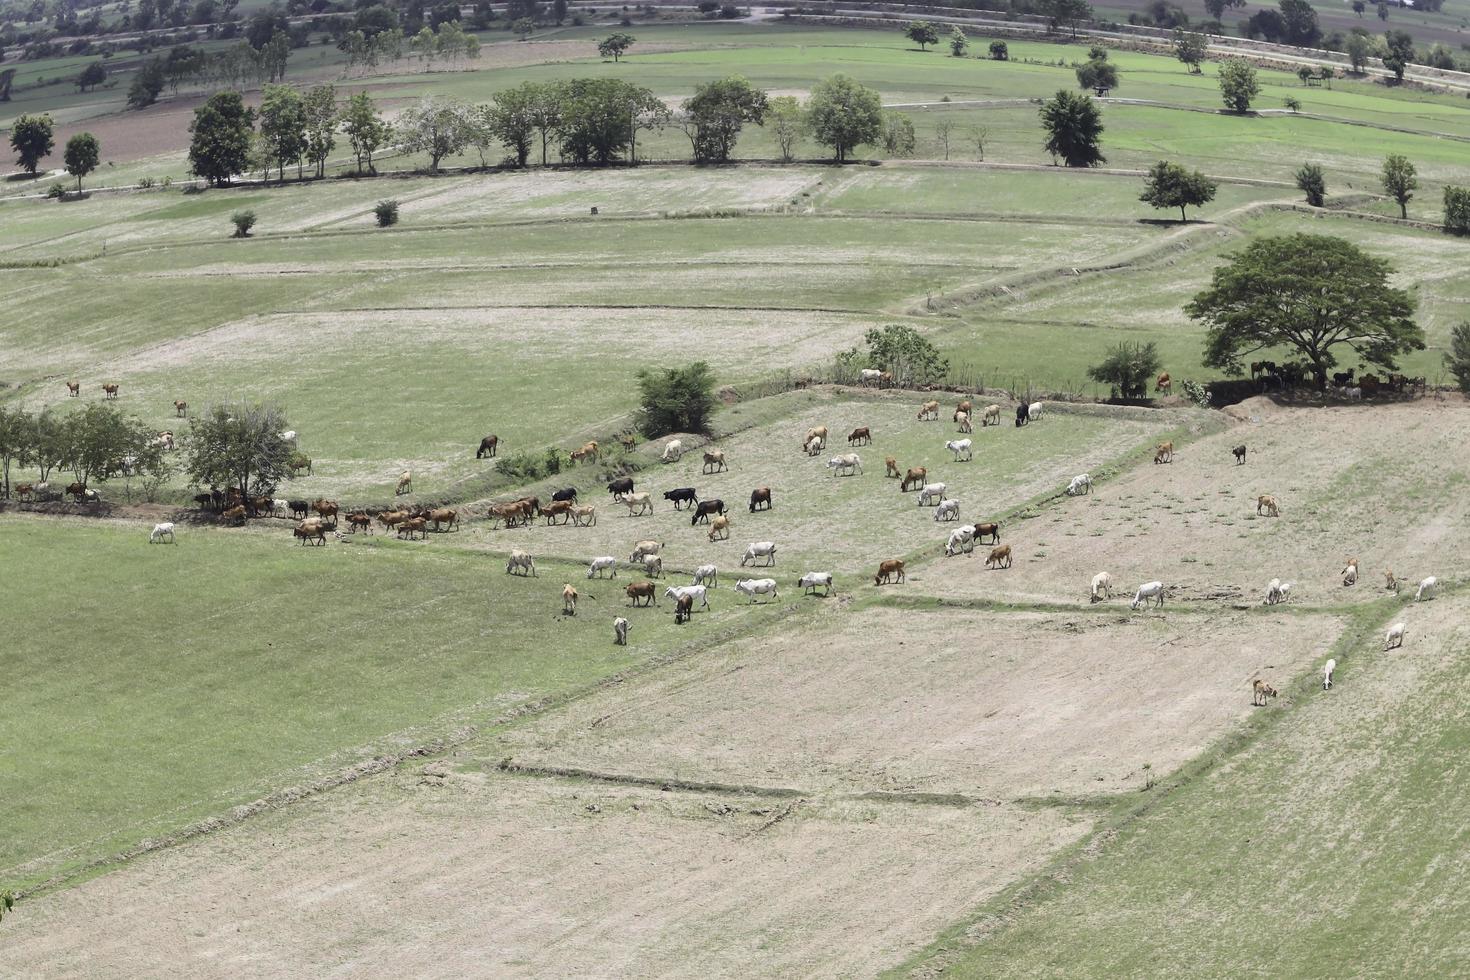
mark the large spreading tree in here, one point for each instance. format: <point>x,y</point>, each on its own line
<point>1311,293</point>
<point>1168,185</point>
<point>238,445</point>
<point>844,115</point>
<point>717,113</point>
<point>220,147</point>
<point>1073,127</point>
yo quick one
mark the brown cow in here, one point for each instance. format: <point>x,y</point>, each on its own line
<point>1266,504</point>
<point>760,499</point>
<point>992,531</point>
<point>683,608</point>
<point>963,408</point>
<point>77,490</point>
<point>392,518</point>
<point>326,508</point>
<point>360,521</point>
<point>261,505</point>
<point>860,436</point>
<point>1164,452</point>
<point>719,528</point>
<point>929,411</point>
<point>1260,691</point>
<point>489,446</point>
<point>892,465</point>
<point>181,408</point>
<point>568,600</point>
<point>412,526</point>
<point>1164,384</point>
<point>915,478</point>
<point>25,491</point>
<point>307,530</point>
<point>74,389</point>
<point>888,569</point>
<point>109,391</point>
<point>444,515</point>
<point>642,590</point>
<point>999,557</point>
<point>235,513</point>
<point>558,508</point>
<point>589,451</point>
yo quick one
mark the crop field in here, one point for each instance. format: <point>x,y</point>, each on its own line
<point>237,756</point>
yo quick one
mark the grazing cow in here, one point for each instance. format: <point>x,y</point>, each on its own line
<point>753,587</point>
<point>707,575</point>
<point>181,409</point>
<point>628,441</point>
<point>603,564</point>
<point>1394,638</point>
<point>1260,691</point>
<point>914,478</point>
<point>1023,414</point>
<point>683,609</point>
<point>811,581</point>
<point>1147,591</point>
<point>360,521</point>
<point>299,508</point>
<point>161,531</point>
<point>694,592</point>
<point>991,416</point>
<point>298,463</point>
<point>814,446</point>
<point>567,493</point>
<point>520,561</point>
<point>760,549</point>
<point>885,379</point>
<point>261,506</point>
<point>869,376</point>
<point>568,600</point>
<point>92,496</point>
<point>589,451</point>
<point>1266,504</point>
<point>1327,669</point>
<point>235,514</point>
<point>489,447</point>
<point>963,408</point>
<point>584,516</point>
<point>1350,572</point>
<point>74,389</point>
<point>1391,582</point>
<point>1033,411</point>
<point>948,510</point>
<point>309,532</point>
<point>642,590</point>
<point>1081,484</point>
<point>962,421</point>
<point>860,436</point>
<point>25,491</point>
<point>673,449</point>
<point>1164,384</point>
<point>999,557</point>
<point>644,548</point>
<point>719,529</point>
<point>705,508</point>
<point>1428,585</point>
<point>392,518</point>
<point>620,487</point>
<point>413,525</point>
<point>887,569</point>
<point>109,392</point>
<point>961,538</point>
<point>405,484</point>
<point>931,492</point>
<point>714,461</point>
<point>1239,453</point>
<point>1164,452</point>
<point>1274,595</point>
<point>1343,378</point>
<point>962,449</point>
<point>444,516</point>
<point>638,503</point>
<point>620,631</point>
<point>760,499</point>
<point>681,496</point>
<point>817,434</point>
<point>849,462</point>
<point>929,412</point>
<point>1102,587</point>
<point>990,530</point>
<point>892,468</point>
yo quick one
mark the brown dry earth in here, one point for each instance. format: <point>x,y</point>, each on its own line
<point>1362,481</point>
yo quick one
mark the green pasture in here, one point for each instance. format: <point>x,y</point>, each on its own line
<point>152,686</point>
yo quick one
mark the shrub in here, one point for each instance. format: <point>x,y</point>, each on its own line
<point>1457,210</point>
<point>145,182</point>
<point>244,221</point>
<point>999,51</point>
<point>1312,182</point>
<point>1128,368</point>
<point>677,399</point>
<point>1457,358</point>
<point>528,467</point>
<point>387,212</point>
<point>729,11</point>
<point>1196,393</point>
<point>56,191</point>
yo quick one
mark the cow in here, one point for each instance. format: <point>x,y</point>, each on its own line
<point>694,592</point>
<point>161,531</point>
<point>638,503</point>
<point>412,526</point>
<point>817,434</point>
<point>589,451</point>
<point>887,570</point>
<point>405,484</point>
<point>991,416</point>
<point>620,487</point>
<point>849,462</point>
<point>489,447</point>
<point>681,496</point>
<point>760,549</point>
<point>299,508</point>
<point>929,412</point>
<point>860,436</point>
<point>235,515</point>
<point>892,468</point>
<point>74,389</point>
<point>719,529</point>
<point>642,590</point>
<point>326,508</point>
<point>673,449</point>
<point>1164,452</point>
<point>308,532</point>
<point>753,587</point>
<point>999,557</point>
<point>704,509</point>
<point>1239,453</point>
<point>812,581</point>
<point>603,564</point>
<point>962,449</point>
<point>914,478</point>
<point>109,392</point>
<point>181,409</point>
<point>520,561</point>
<point>683,609</point>
<point>360,521</point>
<point>443,516</point>
<point>714,461</point>
<point>707,575</point>
<point>620,631</point>
<point>567,493</point>
<point>990,530</point>
<point>1023,414</point>
<point>869,376</point>
<point>760,499</point>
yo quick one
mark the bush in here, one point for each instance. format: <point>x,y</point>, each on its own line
<point>729,11</point>
<point>677,399</point>
<point>145,182</point>
<point>387,212</point>
<point>56,191</point>
<point>528,467</point>
<point>1128,369</point>
<point>901,350</point>
<point>1457,358</point>
<point>1457,210</point>
<point>244,221</point>
<point>1312,182</point>
<point>1196,393</point>
<point>999,51</point>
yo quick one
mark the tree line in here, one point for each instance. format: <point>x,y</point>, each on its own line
<point>93,444</point>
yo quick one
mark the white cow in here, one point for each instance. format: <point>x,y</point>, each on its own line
<point>814,445</point>
<point>760,549</point>
<point>603,564</point>
<point>870,376</point>
<point>811,580</point>
<point>1327,670</point>
<point>289,435</point>
<point>161,531</point>
<point>280,508</point>
<point>673,449</point>
<point>620,631</point>
<point>1034,411</point>
<point>520,560</point>
<point>1428,585</point>
<point>1147,591</point>
<point>638,503</point>
<point>961,538</point>
<point>948,510</point>
<point>931,491</point>
<point>1102,586</point>
<point>653,566</point>
<point>1394,638</point>
<point>643,548</point>
<point>1081,483</point>
<point>757,586</point>
<point>707,574</point>
<point>851,462</point>
<point>1273,593</point>
<point>962,448</point>
<point>696,591</point>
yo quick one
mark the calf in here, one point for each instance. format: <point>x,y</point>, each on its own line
<point>558,508</point>
<point>714,461</point>
<point>812,581</point>
<point>849,462</point>
<point>673,449</point>
<point>653,566</point>
<point>914,478</point>
<point>962,448</point>
<point>584,516</point>
<point>589,451</point>
<point>1147,591</point>
<point>299,508</point>
<point>1327,669</point>
<point>1102,586</point>
<point>638,503</point>
<point>1023,414</point>
<point>1033,411</point>
<point>1239,453</point>
<point>1266,504</point>
<point>887,570</point>
<point>109,392</point>
<point>817,434</point>
<point>892,468</point>
<point>74,389</point>
<point>360,521</point>
<point>991,416</point>
<point>642,590</point>
<point>1164,452</point>
<point>962,421</point>
<point>489,446</point>
<point>642,548</point>
<point>1260,691</point>
<point>181,409</point>
<point>760,499</point>
<point>1428,585</point>
<point>860,436</point>
<point>1394,638</point>
<point>707,575</point>
<point>680,497</point>
<point>1081,484</point>
<point>948,510</point>
<point>235,515</point>
<point>705,509</point>
<point>161,531</point>
<point>999,557</point>
<point>568,600</point>
<point>931,492</point>
<point>683,609</point>
<point>719,529</point>
<point>412,526</point>
<point>929,411</point>
<point>1350,572</point>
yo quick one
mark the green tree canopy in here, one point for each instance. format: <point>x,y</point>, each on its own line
<point>1457,358</point>
<point>1073,127</point>
<point>600,118</point>
<point>30,137</point>
<point>677,399</point>
<point>83,154</point>
<point>1099,75</point>
<point>283,125</point>
<point>1238,84</point>
<point>436,126</point>
<point>1190,48</point>
<point>91,76</point>
<point>1311,181</point>
<point>364,128</point>
<point>900,349</point>
<point>238,445</point>
<point>844,115</point>
<point>1168,185</point>
<point>1311,293</point>
<point>787,121</point>
<point>1398,52</point>
<point>1128,368</point>
<point>222,130</point>
<point>922,33</point>
<point>615,45</point>
<point>716,113</point>
<point>958,42</point>
<point>1400,181</point>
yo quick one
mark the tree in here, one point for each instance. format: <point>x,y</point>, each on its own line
<point>1299,23</point>
<point>1457,210</point>
<point>787,121</point>
<point>922,33</point>
<point>97,438</point>
<point>147,84</point>
<point>559,11</point>
<point>1168,185</point>
<point>958,42</point>
<point>30,137</point>
<point>716,114</point>
<point>92,76</point>
<point>1292,103</point>
<point>319,113</point>
<point>283,125</point>
<point>615,45</point>
<point>1399,181</point>
<point>238,445</point>
<point>1358,7</point>
<point>1190,48</point>
<point>909,355</point>
<point>243,222</point>
<point>48,445</point>
<point>1238,84</point>
<point>17,433</point>
<point>1216,8</point>
<point>999,51</point>
<point>511,120</point>
<point>844,115</point>
<point>1398,52</point>
<point>83,154</point>
<point>1128,369</point>
<point>1067,13</point>
<point>545,101</point>
<point>898,135</point>
<point>438,127</point>
<point>274,54</point>
<point>943,129</point>
<point>1359,49</point>
<point>523,27</point>
<point>979,135</point>
<point>600,118</point>
<point>677,399</point>
<point>364,128</point>
<point>1073,128</point>
<point>1457,358</point>
<point>1382,10</point>
<point>220,147</point>
<point>1311,182</point>
<point>1312,293</point>
<point>1099,75</point>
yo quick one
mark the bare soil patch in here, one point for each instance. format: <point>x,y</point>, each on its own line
<point>939,701</point>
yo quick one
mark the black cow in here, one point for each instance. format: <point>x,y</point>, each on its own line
<point>570,493</point>
<point>203,500</point>
<point>1023,414</point>
<point>299,508</point>
<point>684,495</point>
<point>706,508</point>
<point>488,447</point>
<point>621,486</point>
